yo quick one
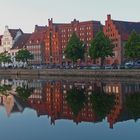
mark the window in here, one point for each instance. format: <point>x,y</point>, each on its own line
<point>117,89</point>
<point>109,89</point>
<point>113,89</point>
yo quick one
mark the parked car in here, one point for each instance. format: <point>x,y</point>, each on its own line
<point>108,66</point>
<point>132,64</point>
<point>92,67</point>
<point>121,66</point>
<point>137,64</point>
<point>129,64</point>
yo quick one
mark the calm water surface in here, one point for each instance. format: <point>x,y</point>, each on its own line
<point>69,109</point>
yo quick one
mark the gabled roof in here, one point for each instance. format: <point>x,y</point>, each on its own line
<point>126,28</point>
<point>36,38</point>
<point>21,42</point>
<point>79,22</point>
<point>40,28</point>
<point>13,32</point>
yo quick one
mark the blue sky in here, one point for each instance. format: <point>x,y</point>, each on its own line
<point>25,14</point>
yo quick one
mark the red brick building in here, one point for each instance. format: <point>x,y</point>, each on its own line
<point>36,45</point>
<point>58,35</point>
<point>118,32</point>
<point>55,105</point>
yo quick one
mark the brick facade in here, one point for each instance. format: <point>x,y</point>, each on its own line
<point>36,45</point>
<point>58,35</point>
<point>119,32</point>
<point>48,43</point>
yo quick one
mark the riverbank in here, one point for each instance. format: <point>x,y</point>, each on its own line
<point>134,73</point>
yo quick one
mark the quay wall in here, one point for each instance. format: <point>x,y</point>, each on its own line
<point>135,73</point>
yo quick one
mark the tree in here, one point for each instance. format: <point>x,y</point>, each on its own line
<point>102,103</point>
<point>5,58</point>
<point>24,55</point>
<point>76,100</point>
<point>24,92</point>
<point>75,49</point>
<point>4,89</point>
<point>101,47</point>
<point>132,104</point>
<point>132,46</point>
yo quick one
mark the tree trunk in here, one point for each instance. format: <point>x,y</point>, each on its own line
<point>73,63</point>
<point>102,61</point>
<point>94,61</point>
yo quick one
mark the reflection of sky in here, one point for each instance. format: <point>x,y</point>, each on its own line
<point>28,126</point>
<point>26,13</point>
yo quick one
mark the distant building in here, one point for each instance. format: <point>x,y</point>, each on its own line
<point>118,32</point>
<point>48,43</point>
<point>8,39</point>
<point>36,45</point>
<point>58,35</point>
<point>18,45</point>
<point>11,42</point>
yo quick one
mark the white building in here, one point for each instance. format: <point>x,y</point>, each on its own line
<point>18,45</point>
<point>9,37</point>
<point>11,42</point>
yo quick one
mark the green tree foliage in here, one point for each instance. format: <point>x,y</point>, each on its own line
<point>5,58</point>
<point>4,89</point>
<point>102,104</point>
<point>76,100</point>
<point>133,105</point>
<point>24,92</point>
<point>101,47</point>
<point>24,55</point>
<point>75,48</point>
<point>132,46</point>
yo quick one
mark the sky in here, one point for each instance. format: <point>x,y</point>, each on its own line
<point>25,14</point>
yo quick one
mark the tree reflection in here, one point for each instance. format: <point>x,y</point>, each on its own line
<point>133,105</point>
<point>4,89</point>
<point>24,92</point>
<point>76,100</point>
<point>102,103</point>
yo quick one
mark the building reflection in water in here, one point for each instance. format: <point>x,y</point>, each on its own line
<point>51,98</point>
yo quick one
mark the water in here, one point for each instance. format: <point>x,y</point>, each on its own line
<point>69,109</point>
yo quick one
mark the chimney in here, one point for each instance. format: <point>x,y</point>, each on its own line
<point>36,27</point>
<point>50,22</point>
<point>109,17</point>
